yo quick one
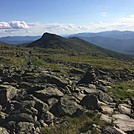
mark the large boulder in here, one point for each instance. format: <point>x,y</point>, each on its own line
<point>21,117</point>
<point>48,93</point>
<point>123,122</point>
<point>90,102</point>
<point>55,80</point>
<point>124,109</point>
<point>67,106</point>
<point>7,92</point>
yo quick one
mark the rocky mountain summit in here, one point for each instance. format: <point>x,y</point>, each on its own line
<point>33,99</point>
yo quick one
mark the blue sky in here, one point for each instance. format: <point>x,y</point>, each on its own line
<point>34,17</point>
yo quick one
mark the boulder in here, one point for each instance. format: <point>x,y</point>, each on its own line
<point>106,118</point>
<point>66,106</point>
<point>90,102</point>
<point>40,105</point>
<point>106,109</point>
<point>52,101</point>
<point>48,93</point>
<point>55,80</point>
<point>7,92</point>
<point>86,90</point>
<point>124,109</point>
<point>123,122</point>
<point>21,117</point>
<point>47,117</point>
<point>25,128</point>
<point>105,97</point>
<point>3,130</point>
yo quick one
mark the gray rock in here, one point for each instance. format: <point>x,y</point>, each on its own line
<point>87,90</point>
<point>7,92</point>
<point>47,117</point>
<point>124,109</point>
<point>40,105</point>
<point>106,109</point>
<point>111,130</point>
<point>25,127</point>
<point>55,80</point>
<point>3,130</point>
<point>123,122</point>
<point>104,82</point>
<point>90,102</point>
<point>106,118</point>
<point>52,101</point>
<point>105,97</point>
<point>2,117</point>
<point>49,92</point>
<point>66,106</point>
<point>22,117</point>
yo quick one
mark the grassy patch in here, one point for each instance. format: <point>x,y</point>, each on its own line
<point>76,125</point>
<point>123,90</point>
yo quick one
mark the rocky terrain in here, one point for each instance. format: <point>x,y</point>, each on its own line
<point>32,99</point>
<point>54,91</point>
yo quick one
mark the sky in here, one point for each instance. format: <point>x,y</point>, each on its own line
<point>35,17</point>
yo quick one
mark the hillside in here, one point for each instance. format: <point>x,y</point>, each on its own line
<point>65,89</point>
<point>57,42</point>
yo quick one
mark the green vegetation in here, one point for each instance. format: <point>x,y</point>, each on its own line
<point>76,125</point>
<point>123,90</point>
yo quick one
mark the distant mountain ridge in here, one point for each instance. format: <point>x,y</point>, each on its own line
<point>18,39</point>
<point>113,34</point>
<point>118,41</point>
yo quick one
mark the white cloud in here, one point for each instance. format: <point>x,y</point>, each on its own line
<point>4,25</point>
<point>18,24</point>
<point>14,25</point>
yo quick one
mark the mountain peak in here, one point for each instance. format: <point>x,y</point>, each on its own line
<point>50,35</point>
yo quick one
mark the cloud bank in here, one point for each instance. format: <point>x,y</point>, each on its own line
<point>14,28</point>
